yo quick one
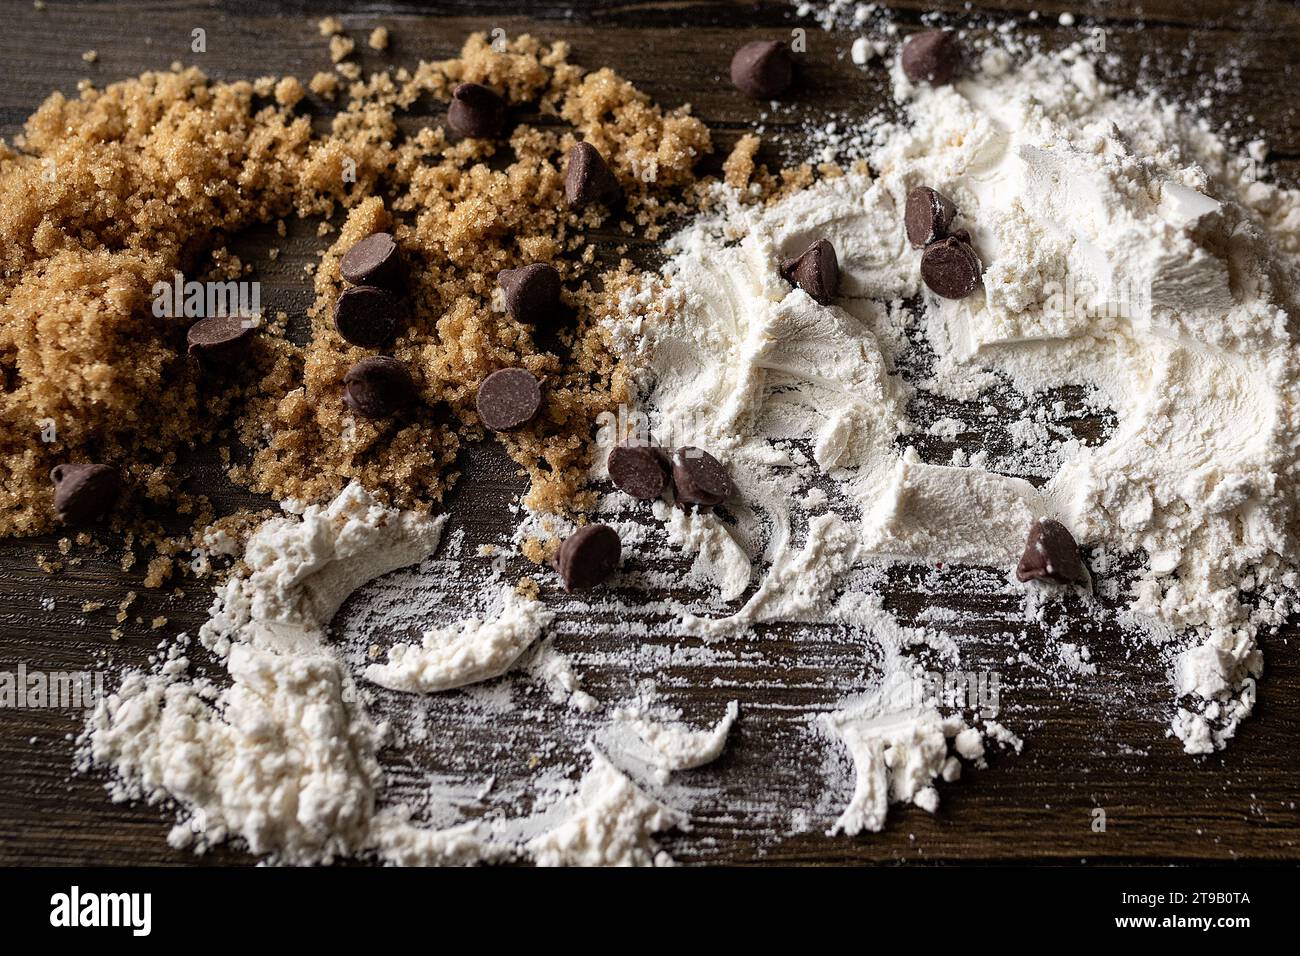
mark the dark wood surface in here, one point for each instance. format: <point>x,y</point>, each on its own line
<point>1101,745</point>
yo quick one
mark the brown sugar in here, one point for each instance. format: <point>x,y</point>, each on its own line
<point>121,188</point>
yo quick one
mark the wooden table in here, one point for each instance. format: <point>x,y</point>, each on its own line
<point>1102,745</point>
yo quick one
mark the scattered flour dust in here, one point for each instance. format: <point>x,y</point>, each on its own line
<point>1129,254</point>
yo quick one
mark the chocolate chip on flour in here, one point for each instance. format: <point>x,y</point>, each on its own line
<point>1051,554</point>
<point>928,215</point>
<point>639,470</point>
<point>931,57</point>
<point>699,478</point>
<point>816,270</point>
<point>588,556</point>
<point>950,268</point>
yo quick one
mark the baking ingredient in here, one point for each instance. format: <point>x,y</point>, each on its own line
<point>374,260</point>
<point>1051,554</point>
<point>950,268</point>
<point>378,387</point>
<point>508,398</point>
<point>931,57</point>
<point>464,652</point>
<point>476,110</point>
<point>366,316</point>
<point>638,470</point>
<point>531,292</point>
<point>588,556</point>
<point>763,69</point>
<point>84,492</point>
<point>588,178</point>
<point>814,270</point>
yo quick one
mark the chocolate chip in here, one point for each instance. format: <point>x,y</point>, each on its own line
<point>219,338</point>
<point>587,177</point>
<point>640,470</point>
<point>366,316</point>
<point>508,398</point>
<point>476,111</point>
<point>84,493</point>
<point>928,216</point>
<point>531,293</point>
<point>699,478</point>
<point>931,57</point>
<point>763,69</point>
<point>1051,554</point>
<point>378,387</point>
<point>815,270</point>
<point>950,268</point>
<point>588,556</point>
<point>374,260</point>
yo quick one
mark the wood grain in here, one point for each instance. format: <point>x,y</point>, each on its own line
<point>1099,746</point>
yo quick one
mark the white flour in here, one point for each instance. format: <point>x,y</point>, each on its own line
<point>1067,190</point>
<point>1108,266</point>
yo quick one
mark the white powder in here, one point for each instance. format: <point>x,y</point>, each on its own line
<point>677,747</point>
<point>1127,250</point>
<point>465,652</point>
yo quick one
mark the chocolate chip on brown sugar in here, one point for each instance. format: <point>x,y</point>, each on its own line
<point>931,57</point>
<point>588,556</point>
<point>84,493</point>
<point>509,398</point>
<point>699,478</point>
<point>220,338</point>
<point>816,270</point>
<point>378,387</point>
<point>928,216</point>
<point>588,178</point>
<point>366,316</point>
<point>531,293</point>
<point>639,470</point>
<point>951,268</point>
<point>763,69</point>
<point>374,261</point>
<point>1051,554</point>
<point>476,110</point>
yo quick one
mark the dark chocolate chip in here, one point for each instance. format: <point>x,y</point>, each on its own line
<point>699,478</point>
<point>219,338</point>
<point>476,110</point>
<point>378,387</point>
<point>588,556</point>
<point>1051,554</point>
<point>531,293</point>
<point>763,69</point>
<point>84,493</point>
<point>640,470</point>
<point>815,270</point>
<point>931,57</point>
<point>927,218</point>
<point>587,177</point>
<point>950,268</point>
<point>508,398</point>
<point>366,316</point>
<point>374,260</point>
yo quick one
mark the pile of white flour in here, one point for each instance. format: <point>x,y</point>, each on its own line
<point>1130,256</point>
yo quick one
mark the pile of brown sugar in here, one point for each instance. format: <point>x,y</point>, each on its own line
<point>109,193</point>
